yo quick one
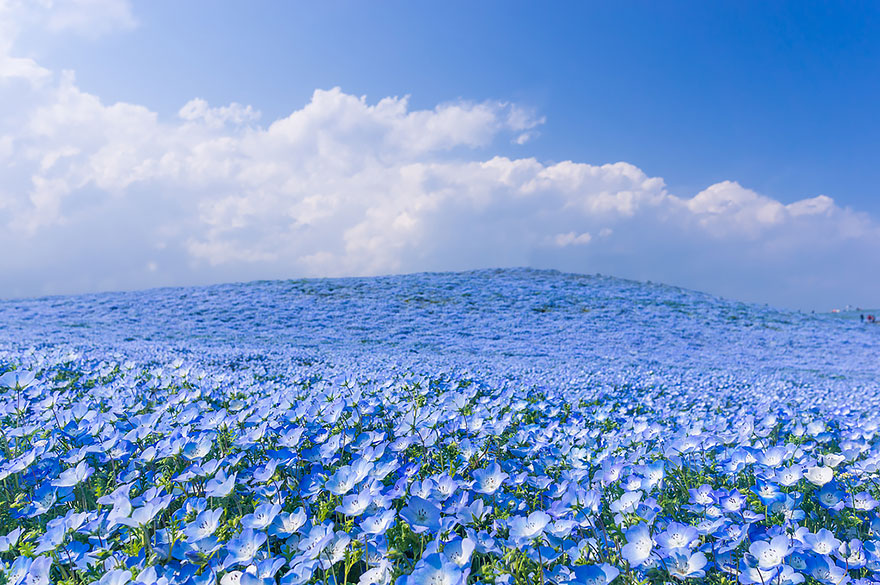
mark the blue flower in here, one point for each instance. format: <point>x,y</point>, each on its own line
<point>677,537</point>
<point>74,476</point>
<point>317,539</point>
<point>243,547</point>
<point>639,545</point>
<point>490,479</point>
<point>115,577</point>
<point>594,574</point>
<point>286,524</point>
<point>378,523</point>
<point>9,540</point>
<point>203,525</point>
<point>421,515</point>
<point>771,554</point>
<point>685,565</point>
<point>524,529</point>
<point>459,550</point>
<point>262,517</point>
<point>220,486</point>
<point>435,569</point>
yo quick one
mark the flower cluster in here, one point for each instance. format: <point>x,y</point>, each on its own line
<point>299,454</point>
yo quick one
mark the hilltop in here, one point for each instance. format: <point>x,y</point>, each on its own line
<point>538,327</point>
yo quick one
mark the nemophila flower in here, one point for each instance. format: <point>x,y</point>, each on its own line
<point>231,578</point>
<point>262,516</point>
<point>751,574</point>
<point>17,573</point>
<point>334,552</point>
<point>685,565</point>
<point>37,572</point>
<point>653,475</point>
<point>703,495</point>
<point>201,550</point>
<point>355,504</point>
<point>379,574</point>
<point>473,513</point>
<point>632,483</point>
<point>816,427</point>
<point>832,459</point>
<point>594,574</point>
<point>767,492</point>
<point>862,502</point>
<point>220,486</point>
<point>203,525</point>
<point>74,476</point>
<point>54,535</point>
<point>197,449</point>
<point>830,497</point>
<point>317,539</point>
<point>489,480</point>
<point>788,507</point>
<point>268,568</point>
<point>676,536</point>
<point>639,544</point>
<point>561,528</point>
<point>243,547</point>
<point>788,576</point>
<point>823,542</point>
<point>484,542</point>
<point>423,489</point>
<point>435,569</point>
<point>115,577</point>
<point>265,473</point>
<point>611,470</point>
<point>731,502</point>
<point>249,579</point>
<point>78,555</point>
<point>378,523</point>
<point>524,529</point>
<point>143,515</point>
<point>771,554</point>
<point>17,379</point>
<point>626,503</point>
<point>818,475</point>
<point>852,553</point>
<point>799,561</point>
<point>342,481</point>
<point>825,570</point>
<point>9,540</point>
<point>772,457</point>
<point>382,468</point>
<point>445,486</point>
<point>790,475</point>
<point>459,550</point>
<point>17,464</point>
<point>299,573</point>
<point>421,515</point>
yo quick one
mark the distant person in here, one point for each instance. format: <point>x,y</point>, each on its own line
<point>862,317</point>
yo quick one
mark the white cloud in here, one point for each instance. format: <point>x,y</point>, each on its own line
<point>103,195</point>
<point>572,239</point>
<point>89,18</point>
<point>198,110</point>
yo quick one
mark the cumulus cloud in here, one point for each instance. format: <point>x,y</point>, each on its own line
<point>99,196</point>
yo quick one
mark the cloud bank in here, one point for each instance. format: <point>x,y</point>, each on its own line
<point>99,196</point>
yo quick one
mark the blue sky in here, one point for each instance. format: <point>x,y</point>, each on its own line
<point>772,104</point>
<point>781,96</point>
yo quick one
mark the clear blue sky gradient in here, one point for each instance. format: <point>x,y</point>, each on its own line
<point>782,97</point>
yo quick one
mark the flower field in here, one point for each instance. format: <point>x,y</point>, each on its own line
<point>509,427</point>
